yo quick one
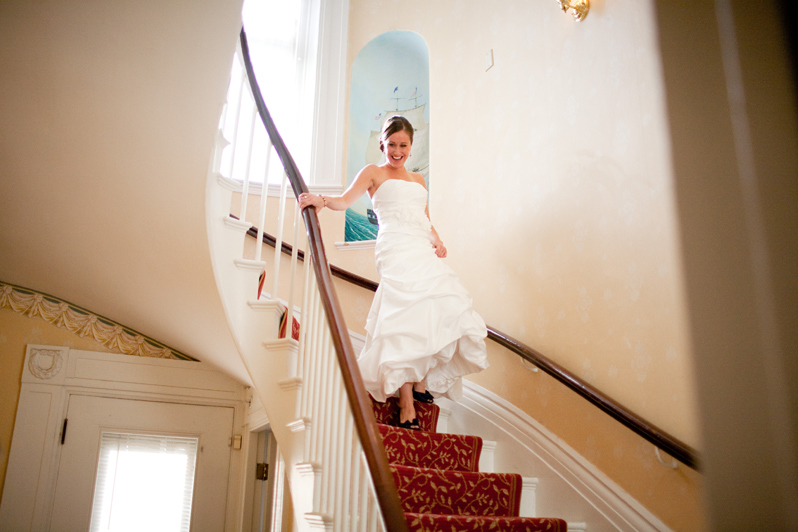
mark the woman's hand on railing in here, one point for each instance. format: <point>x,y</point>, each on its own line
<point>312,200</point>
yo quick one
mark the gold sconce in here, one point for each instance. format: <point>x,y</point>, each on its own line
<point>580,7</point>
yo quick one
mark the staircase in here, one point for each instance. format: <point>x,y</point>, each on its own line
<point>439,480</point>
<point>340,476</point>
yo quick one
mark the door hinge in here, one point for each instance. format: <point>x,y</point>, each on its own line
<point>262,472</point>
<point>63,431</point>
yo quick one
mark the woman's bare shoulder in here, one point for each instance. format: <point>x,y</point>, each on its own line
<point>369,170</point>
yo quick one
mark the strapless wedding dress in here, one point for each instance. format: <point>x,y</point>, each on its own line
<point>421,323</point>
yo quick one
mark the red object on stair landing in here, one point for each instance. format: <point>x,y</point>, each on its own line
<point>439,482</point>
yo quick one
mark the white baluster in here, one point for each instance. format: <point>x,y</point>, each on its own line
<point>373,507</point>
<point>303,335</point>
<point>316,377</point>
<point>346,478</point>
<point>245,186</point>
<point>278,245</point>
<point>363,494</point>
<point>322,442</point>
<point>292,269</point>
<point>237,118</point>
<point>334,434</point>
<point>263,201</point>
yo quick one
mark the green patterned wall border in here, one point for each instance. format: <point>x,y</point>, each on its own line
<point>80,321</point>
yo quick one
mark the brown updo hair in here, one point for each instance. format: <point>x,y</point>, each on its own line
<point>392,125</point>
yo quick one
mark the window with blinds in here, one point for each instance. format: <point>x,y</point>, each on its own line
<point>144,482</point>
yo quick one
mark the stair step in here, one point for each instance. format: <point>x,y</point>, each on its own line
<point>426,490</point>
<point>431,450</point>
<point>446,523</point>
<point>387,413</point>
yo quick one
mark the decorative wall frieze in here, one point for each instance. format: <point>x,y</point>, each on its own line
<point>83,323</point>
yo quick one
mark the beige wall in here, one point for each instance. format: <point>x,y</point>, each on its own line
<point>16,332</point>
<point>552,187</point>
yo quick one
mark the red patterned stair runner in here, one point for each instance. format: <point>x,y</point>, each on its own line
<point>440,484</point>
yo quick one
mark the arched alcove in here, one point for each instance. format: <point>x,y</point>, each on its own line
<point>390,76</point>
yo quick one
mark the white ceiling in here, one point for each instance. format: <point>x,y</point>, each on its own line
<point>109,109</point>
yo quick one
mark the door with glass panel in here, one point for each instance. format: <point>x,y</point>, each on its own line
<point>130,465</point>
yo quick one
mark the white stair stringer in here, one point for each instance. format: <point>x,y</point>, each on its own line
<point>254,327</point>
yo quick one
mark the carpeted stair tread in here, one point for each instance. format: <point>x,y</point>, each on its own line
<point>387,413</point>
<point>436,491</point>
<point>438,480</point>
<point>431,450</point>
<point>468,523</point>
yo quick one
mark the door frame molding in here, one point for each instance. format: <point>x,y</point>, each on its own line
<point>51,374</point>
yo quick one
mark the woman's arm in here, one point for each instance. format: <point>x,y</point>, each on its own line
<point>437,243</point>
<point>440,249</point>
<point>359,186</point>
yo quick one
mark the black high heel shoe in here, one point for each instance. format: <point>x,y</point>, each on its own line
<point>425,397</point>
<point>410,425</point>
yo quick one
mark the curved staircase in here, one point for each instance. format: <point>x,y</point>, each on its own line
<point>341,475</point>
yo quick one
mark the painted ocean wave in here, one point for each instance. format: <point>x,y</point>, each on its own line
<point>358,228</point>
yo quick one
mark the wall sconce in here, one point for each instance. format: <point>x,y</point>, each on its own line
<point>580,7</point>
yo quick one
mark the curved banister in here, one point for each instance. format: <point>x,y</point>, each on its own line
<point>674,447</point>
<point>671,445</point>
<point>359,401</point>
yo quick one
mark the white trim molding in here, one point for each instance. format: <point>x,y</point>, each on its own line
<point>51,374</point>
<point>273,189</point>
<point>569,485</point>
<point>353,246</point>
<point>326,160</point>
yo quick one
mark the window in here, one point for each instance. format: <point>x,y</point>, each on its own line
<point>282,39</point>
<point>298,49</point>
<point>144,482</point>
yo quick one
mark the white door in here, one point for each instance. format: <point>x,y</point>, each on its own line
<point>88,416</point>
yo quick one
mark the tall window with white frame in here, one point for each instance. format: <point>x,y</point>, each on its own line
<point>283,42</point>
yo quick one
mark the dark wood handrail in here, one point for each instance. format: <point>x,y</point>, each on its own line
<point>359,401</point>
<point>671,445</point>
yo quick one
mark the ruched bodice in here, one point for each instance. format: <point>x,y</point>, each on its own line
<point>421,323</point>
<point>401,206</point>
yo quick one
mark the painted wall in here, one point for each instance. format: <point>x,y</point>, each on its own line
<point>554,195</point>
<point>16,332</point>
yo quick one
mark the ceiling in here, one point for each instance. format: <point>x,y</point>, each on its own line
<point>109,110</point>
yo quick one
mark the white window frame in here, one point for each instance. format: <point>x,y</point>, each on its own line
<point>327,132</point>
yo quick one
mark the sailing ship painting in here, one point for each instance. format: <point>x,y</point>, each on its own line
<point>371,106</point>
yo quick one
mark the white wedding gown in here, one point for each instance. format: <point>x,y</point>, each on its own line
<point>421,323</point>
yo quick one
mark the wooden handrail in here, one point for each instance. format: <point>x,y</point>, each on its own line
<point>359,401</point>
<point>674,447</point>
<point>671,445</point>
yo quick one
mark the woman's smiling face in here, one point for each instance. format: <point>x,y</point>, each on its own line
<point>397,149</point>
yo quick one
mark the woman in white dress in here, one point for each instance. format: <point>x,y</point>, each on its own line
<point>422,332</point>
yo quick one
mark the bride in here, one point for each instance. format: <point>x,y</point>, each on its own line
<point>422,332</point>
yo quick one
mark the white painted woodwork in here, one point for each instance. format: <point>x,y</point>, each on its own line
<point>568,486</point>
<point>528,505</point>
<point>52,375</point>
<point>90,415</point>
